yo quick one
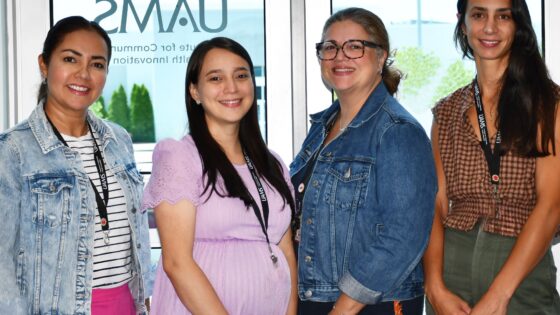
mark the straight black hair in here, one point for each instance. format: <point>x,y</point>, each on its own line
<point>213,158</point>
<point>528,97</point>
<point>56,35</point>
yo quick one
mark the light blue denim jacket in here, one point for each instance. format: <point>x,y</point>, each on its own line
<point>368,206</point>
<point>47,212</point>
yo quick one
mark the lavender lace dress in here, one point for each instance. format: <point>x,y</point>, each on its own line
<point>229,245</point>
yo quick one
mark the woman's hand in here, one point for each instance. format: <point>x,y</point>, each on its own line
<point>345,305</point>
<point>491,304</point>
<point>443,301</point>
<point>535,237</point>
<point>446,302</point>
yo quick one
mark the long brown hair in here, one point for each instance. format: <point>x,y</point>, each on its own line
<point>528,98</point>
<point>215,161</point>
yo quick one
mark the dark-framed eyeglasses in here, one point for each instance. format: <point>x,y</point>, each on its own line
<point>352,48</point>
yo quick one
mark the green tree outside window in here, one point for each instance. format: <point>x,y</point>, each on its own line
<point>118,108</point>
<point>98,108</point>
<point>142,115</point>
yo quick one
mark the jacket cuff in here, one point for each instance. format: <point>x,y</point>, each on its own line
<point>354,289</point>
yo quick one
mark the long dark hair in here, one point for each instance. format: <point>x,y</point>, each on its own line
<point>375,28</point>
<point>213,157</point>
<point>528,97</point>
<point>56,35</point>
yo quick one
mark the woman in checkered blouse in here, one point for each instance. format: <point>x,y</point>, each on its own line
<point>495,143</point>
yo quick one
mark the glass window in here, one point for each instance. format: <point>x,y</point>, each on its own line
<point>152,41</point>
<point>421,35</point>
<point>3,69</point>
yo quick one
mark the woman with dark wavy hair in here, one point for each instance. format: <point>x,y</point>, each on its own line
<point>495,143</point>
<point>222,200</point>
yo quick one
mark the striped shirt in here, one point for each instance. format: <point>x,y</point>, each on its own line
<point>111,262</point>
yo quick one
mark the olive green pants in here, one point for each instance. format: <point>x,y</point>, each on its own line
<point>472,260</point>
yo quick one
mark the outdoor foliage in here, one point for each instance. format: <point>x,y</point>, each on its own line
<point>138,119</point>
<point>418,66</point>
<point>98,108</point>
<point>455,77</point>
<point>142,115</point>
<point>118,108</point>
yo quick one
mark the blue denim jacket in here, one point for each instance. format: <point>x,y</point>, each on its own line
<point>47,212</point>
<point>368,206</point>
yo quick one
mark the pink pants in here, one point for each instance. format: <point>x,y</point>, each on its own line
<point>114,301</point>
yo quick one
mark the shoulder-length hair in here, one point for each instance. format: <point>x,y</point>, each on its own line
<point>213,157</point>
<point>528,97</point>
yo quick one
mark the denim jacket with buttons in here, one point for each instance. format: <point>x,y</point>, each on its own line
<point>47,212</point>
<point>368,206</point>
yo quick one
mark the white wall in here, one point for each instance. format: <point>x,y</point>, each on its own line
<point>27,26</point>
<point>278,78</point>
<point>3,68</point>
<point>552,38</point>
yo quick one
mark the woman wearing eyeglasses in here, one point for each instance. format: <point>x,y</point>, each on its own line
<point>365,182</point>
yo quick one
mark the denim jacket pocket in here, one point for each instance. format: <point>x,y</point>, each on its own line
<point>51,194</point>
<point>51,197</point>
<point>347,183</point>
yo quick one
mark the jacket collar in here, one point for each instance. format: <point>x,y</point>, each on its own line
<point>371,107</point>
<point>46,137</point>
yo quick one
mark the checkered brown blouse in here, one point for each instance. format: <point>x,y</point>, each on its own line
<point>469,191</point>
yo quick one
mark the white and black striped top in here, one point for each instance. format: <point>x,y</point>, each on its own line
<point>112,262</point>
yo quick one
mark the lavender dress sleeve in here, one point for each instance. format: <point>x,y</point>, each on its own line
<point>175,175</point>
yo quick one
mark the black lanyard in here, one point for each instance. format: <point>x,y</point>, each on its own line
<point>492,157</point>
<point>264,204</point>
<point>100,165</point>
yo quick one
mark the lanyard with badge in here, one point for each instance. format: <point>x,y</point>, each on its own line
<point>492,156</point>
<point>263,220</point>
<point>100,165</point>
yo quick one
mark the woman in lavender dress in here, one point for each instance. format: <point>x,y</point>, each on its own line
<point>222,201</point>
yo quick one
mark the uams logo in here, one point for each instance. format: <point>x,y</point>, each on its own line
<point>181,6</point>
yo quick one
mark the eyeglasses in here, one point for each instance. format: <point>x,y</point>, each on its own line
<point>352,49</point>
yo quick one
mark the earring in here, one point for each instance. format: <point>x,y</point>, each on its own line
<point>197,102</point>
